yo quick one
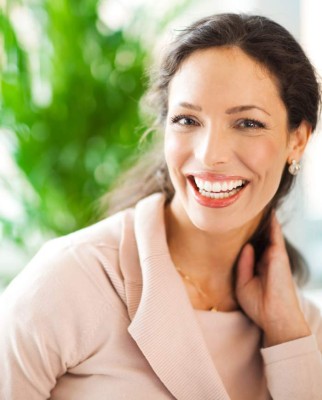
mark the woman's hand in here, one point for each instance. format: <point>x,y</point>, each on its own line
<point>269,298</point>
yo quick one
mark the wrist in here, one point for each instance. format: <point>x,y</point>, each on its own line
<point>285,331</point>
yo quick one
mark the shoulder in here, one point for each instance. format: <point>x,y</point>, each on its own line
<point>105,233</point>
<point>76,269</point>
<point>71,286</point>
<point>87,270</point>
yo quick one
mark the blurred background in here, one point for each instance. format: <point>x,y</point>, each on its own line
<point>71,77</point>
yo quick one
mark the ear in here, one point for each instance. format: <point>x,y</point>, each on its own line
<point>298,140</point>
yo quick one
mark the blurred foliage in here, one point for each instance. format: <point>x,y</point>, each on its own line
<point>69,94</point>
<point>71,148</point>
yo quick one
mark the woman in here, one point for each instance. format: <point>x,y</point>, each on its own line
<point>187,293</point>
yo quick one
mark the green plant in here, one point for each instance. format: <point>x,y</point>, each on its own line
<point>69,101</point>
<point>71,148</point>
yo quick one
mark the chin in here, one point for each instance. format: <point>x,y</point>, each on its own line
<point>215,226</point>
<point>222,220</point>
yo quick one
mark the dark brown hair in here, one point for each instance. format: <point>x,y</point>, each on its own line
<point>267,43</point>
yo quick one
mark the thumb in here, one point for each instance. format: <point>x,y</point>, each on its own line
<point>245,266</point>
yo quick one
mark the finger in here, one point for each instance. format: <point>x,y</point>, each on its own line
<point>245,266</point>
<point>276,234</point>
<point>277,255</point>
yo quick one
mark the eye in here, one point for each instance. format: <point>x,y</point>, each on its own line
<point>184,120</point>
<point>248,123</point>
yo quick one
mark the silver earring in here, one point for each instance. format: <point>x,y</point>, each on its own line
<point>294,167</point>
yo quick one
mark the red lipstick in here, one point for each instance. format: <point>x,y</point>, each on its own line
<point>213,202</point>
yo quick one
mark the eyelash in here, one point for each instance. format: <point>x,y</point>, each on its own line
<point>254,122</point>
<point>177,118</point>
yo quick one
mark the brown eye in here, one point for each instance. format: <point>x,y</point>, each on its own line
<point>250,124</point>
<point>183,120</point>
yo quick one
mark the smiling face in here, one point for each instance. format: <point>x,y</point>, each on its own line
<point>226,140</point>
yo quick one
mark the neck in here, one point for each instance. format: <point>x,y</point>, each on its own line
<point>208,258</point>
<point>218,250</point>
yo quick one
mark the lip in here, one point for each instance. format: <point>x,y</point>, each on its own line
<point>207,176</point>
<point>215,203</point>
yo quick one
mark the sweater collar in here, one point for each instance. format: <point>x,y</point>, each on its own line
<point>164,324</point>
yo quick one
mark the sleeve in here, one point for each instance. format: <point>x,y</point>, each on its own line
<point>294,369</point>
<point>46,322</point>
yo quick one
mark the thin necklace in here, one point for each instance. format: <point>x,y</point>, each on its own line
<point>199,290</point>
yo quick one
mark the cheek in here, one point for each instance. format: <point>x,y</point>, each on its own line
<point>174,151</point>
<point>266,157</point>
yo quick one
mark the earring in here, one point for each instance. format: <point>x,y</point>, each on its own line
<point>294,167</point>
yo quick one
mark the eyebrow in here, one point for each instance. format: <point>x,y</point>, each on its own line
<point>191,106</point>
<point>238,109</point>
<point>232,110</point>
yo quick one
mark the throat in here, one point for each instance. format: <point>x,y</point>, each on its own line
<point>210,299</point>
<point>206,259</point>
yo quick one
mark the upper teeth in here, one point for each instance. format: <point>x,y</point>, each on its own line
<point>222,186</point>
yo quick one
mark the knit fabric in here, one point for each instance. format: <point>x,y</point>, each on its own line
<point>103,314</point>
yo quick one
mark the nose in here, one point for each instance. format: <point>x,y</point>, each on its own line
<point>214,147</point>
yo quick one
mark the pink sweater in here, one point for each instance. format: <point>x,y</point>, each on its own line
<point>103,314</point>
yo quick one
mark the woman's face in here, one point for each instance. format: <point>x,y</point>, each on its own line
<point>226,139</point>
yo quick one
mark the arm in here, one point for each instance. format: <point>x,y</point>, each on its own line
<point>294,369</point>
<point>47,322</point>
<point>290,365</point>
<point>292,355</point>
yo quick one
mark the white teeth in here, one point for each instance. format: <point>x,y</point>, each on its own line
<point>231,186</point>
<point>219,186</point>
<point>224,187</point>
<point>221,195</point>
<point>208,186</point>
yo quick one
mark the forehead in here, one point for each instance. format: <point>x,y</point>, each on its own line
<point>224,75</point>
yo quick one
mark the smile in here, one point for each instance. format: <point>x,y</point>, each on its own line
<point>219,189</point>
<point>217,192</point>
